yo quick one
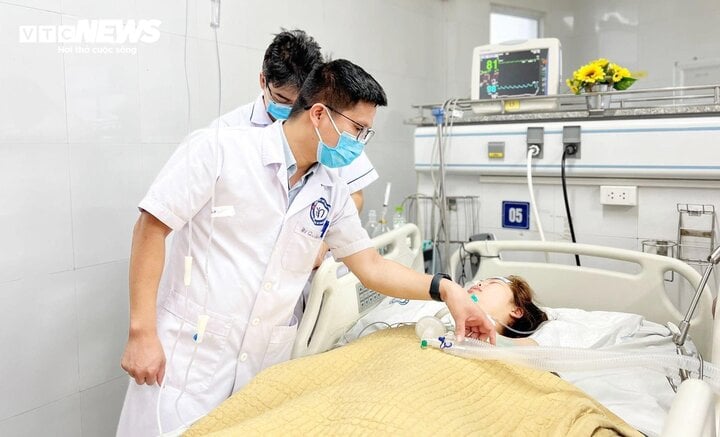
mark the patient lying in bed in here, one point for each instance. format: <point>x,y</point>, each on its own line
<point>639,396</point>
<point>509,303</point>
<point>386,384</point>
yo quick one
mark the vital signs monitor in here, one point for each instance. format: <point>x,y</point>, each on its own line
<point>516,68</point>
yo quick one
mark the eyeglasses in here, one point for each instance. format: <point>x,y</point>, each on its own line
<point>491,280</point>
<point>275,99</point>
<point>364,133</point>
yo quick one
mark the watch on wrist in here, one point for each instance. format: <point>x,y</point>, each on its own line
<point>435,285</point>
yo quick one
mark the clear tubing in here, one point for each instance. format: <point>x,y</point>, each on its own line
<point>510,328</point>
<point>577,360</point>
<point>199,335</point>
<point>188,258</point>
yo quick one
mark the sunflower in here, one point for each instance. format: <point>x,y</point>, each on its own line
<point>600,71</point>
<point>590,73</point>
<point>602,62</point>
<point>573,86</point>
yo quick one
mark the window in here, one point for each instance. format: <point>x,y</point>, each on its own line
<point>509,24</point>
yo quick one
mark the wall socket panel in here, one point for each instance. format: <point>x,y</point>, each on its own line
<point>618,195</point>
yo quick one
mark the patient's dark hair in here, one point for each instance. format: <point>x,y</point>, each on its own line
<point>290,58</point>
<point>532,315</point>
<point>339,84</point>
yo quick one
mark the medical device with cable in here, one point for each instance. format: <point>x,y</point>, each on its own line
<point>516,68</point>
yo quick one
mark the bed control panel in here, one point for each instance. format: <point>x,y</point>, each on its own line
<point>366,298</point>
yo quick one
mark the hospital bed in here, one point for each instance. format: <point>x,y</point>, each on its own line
<point>337,301</point>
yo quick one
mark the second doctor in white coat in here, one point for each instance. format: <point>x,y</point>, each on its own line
<point>257,205</point>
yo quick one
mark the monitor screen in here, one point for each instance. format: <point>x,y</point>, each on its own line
<point>513,73</point>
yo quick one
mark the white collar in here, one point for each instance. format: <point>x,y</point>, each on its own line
<point>259,116</point>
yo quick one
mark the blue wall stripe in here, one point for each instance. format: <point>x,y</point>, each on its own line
<point>619,166</point>
<point>584,131</point>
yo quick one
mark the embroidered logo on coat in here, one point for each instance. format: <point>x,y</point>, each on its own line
<point>319,211</point>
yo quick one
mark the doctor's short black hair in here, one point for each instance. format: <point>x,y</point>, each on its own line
<point>339,84</point>
<point>290,58</point>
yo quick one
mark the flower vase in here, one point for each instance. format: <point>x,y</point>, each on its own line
<point>599,102</point>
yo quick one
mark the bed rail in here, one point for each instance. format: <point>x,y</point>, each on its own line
<point>337,298</point>
<point>595,289</point>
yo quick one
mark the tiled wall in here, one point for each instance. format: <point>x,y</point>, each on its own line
<point>83,135</point>
<point>655,217</point>
<point>646,35</point>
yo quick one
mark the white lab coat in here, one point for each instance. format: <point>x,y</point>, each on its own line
<point>357,175</point>
<point>261,254</point>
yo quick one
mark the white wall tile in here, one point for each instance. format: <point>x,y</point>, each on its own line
<point>102,95</point>
<point>40,339</point>
<point>100,9</point>
<point>35,222</point>
<point>163,96</point>
<point>106,188</point>
<point>171,13</point>
<point>101,406</point>
<point>252,23</point>
<point>658,216</point>
<point>31,81</point>
<point>46,5</point>
<point>592,218</point>
<point>102,331</point>
<point>240,79</point>
<point>240,75</point>
<point>58,419</point>
<point>203,82</point>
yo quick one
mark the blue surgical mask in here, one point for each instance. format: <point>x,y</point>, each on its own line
<point>347,149</point>
<point>278,111</point>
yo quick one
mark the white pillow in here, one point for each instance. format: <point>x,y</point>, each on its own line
<point>571,327</point>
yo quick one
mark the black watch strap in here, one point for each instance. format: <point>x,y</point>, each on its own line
<point>435,285</point>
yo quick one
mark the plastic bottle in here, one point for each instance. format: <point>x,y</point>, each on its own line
<point>382,228</point>
<point>372,225</point>
<point>398,218</point>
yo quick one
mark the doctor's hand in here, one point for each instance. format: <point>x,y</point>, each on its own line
<point>144,358</point>
<point>470,320</point>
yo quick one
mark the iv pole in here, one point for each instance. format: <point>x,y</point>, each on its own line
<point>680,337</point>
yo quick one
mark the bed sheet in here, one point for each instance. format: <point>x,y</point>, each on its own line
<point>639,396</point>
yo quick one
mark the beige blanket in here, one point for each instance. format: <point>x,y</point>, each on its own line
<point>385,384</point>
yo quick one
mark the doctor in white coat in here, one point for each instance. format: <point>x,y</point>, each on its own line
<point>257,204</point>
<point>288,60</point>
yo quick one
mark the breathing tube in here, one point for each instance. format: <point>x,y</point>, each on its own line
<point>203,318</point>
<point>557,359</point>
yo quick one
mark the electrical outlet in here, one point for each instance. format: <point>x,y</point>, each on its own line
<point>618,195</point>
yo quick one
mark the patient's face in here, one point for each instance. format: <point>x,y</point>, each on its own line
<point>495,298</point>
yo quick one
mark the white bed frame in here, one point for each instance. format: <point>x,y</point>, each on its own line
<point>333,304</point>
<point>695,407</point>
<point>337,299</point>
<point>594,289</point>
